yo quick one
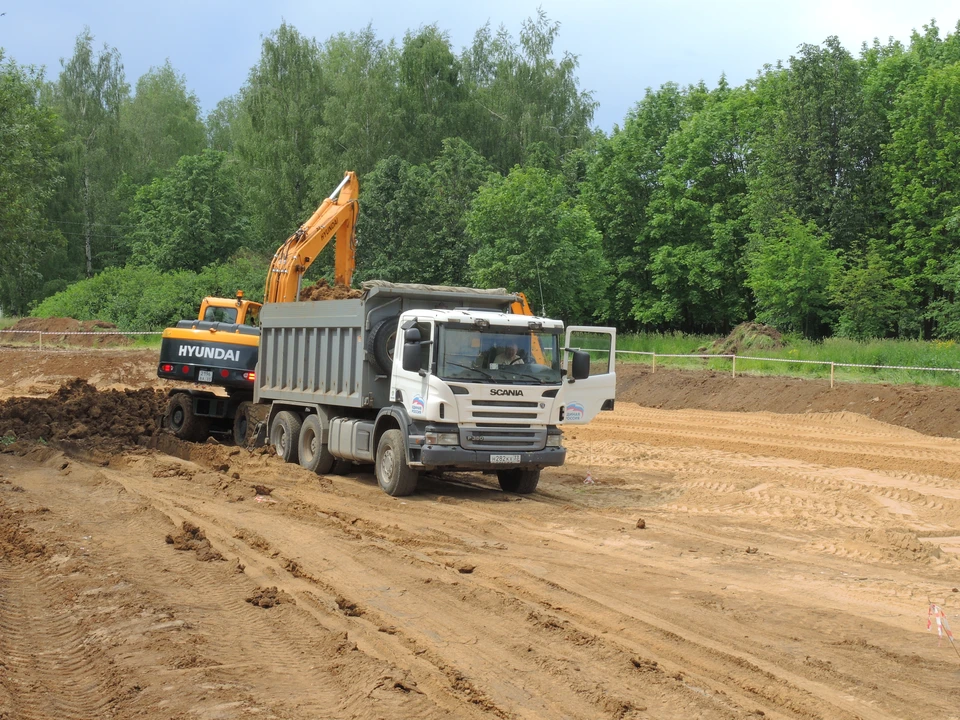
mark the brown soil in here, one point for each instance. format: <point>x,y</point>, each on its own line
<point>191,538</point>
<point>269,597</point>
<point>322,290</point>
<point>51,326</point>
<point>107,421</point>
<point>924,408</point>
<point>783,568</point>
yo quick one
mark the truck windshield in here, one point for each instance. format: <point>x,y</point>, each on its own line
<point>500,355</point>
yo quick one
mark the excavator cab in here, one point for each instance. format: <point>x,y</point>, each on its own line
<point>230,310</point>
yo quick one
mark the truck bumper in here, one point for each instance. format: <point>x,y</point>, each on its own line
<point>436,456</point>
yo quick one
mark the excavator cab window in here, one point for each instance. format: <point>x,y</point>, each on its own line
<point>220,314</point>
<point>253,316</point>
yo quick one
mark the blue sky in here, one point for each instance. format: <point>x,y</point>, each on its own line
<point>624,47</point>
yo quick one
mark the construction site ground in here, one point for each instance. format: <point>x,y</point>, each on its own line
<point>713,548</point>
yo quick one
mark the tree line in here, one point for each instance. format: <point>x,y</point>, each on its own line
<point>821,196</point>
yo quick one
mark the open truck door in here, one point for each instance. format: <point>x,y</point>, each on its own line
<point>585,397</point>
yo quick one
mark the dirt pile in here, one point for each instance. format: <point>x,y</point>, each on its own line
<point>927,409</point>
<point>107,420</point>
<point>269,597</point>
<point>323,290</point>
<point>192,538</point>
<point>745,338</point>
<point>51,326</point>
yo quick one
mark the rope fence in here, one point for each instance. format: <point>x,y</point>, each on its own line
<point>40,333</point>
<point>733,361</point>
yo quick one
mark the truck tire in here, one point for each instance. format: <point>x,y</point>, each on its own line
<point>381,342</point>
<point>394,476</point>
<point>181,420</point>
<point>314,455</point>
<point>241,424</point>
<point>518,480</point>
<point>284,435</point>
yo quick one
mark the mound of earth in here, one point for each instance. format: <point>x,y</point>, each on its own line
<point>927,409</point>
<point>107,420</point>
<point>323,290</point>
<point>746,337</point>
<point>54,325</point>
<point>193,538</point>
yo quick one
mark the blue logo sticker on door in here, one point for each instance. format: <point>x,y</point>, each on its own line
<point>574,412</point>
<point>416,407</point>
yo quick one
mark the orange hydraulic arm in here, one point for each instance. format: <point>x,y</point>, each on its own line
<point>522,307</point>
<point>336,217</point>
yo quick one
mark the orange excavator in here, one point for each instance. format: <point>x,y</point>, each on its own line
<point>218,351</point>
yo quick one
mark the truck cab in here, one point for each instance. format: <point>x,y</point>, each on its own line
<point>492,390</point>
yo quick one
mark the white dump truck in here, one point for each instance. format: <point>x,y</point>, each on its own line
<point>414,378</point>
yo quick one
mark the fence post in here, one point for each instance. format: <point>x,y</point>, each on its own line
<point>654,363</point>
<point>831,375</point>
<point>734,365</point>
<point>40,335</point>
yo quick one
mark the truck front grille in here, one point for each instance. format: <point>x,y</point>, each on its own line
<point>503,437</point>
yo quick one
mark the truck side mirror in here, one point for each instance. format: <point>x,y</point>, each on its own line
<point>412,335</point>
<point>411,354</point>
<point>581,365</point>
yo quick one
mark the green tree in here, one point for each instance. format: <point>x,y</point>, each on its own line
<point>620,181</point>
<point>28,174</point>
<point>162,123</point>
<point>190,218</point>
<point>361,110</point>
<point>790,270</point>
<point>279,114</point>
<point>532,237</point>
<point>431,92</point>
<point>870,299</point>
<point>520,94</point>
<point>88,96</point>
<point>923,163</point>
<point>815,157</point>
<point>697,225</point>
<point>412,225</point>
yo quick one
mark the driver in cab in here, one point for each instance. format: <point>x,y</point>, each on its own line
<point>508,356</point>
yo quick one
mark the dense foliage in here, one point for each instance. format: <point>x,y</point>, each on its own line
<point>822,196</point>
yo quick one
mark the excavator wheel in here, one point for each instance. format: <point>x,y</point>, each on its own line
<point>181,420</point>
<point>241,424</point>
<point>381,341</point>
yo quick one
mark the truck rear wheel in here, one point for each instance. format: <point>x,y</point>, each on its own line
<point>314,455</point>
<point>518,480</point>
<point>394,476</point>
<point>183,422</point>
<point>284,435</point>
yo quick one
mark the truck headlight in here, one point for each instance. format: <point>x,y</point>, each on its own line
<point>554,440</point>
<point>433,438</point>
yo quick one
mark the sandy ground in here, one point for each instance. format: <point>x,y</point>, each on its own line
<point>784,570</point>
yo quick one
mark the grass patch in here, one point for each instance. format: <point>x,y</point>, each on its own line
<point>910,353</point>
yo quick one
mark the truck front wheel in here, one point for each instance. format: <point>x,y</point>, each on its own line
<point>518,480</point>
<point>284,434</point>
<point>395,477</point>
<point>314,455</point>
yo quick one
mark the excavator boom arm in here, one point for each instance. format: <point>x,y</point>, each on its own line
<point>336,217</point>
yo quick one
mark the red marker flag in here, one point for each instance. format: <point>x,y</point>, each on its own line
<point>935,615</point>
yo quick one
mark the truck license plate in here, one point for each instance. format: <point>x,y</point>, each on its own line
<point>205,376</point>
<point>504,459</point>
